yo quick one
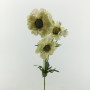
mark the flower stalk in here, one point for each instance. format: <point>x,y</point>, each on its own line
<point>44,69</point>
<point>44,64</point>
<point>44,83</point>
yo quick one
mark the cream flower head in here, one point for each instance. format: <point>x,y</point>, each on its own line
<point>46,47</point>
<point>40,22</point>
<point>58,31</point>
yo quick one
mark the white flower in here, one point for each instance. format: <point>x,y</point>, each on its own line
<point>40,22</point>
<point>58,31</point>
<point>46,47</point>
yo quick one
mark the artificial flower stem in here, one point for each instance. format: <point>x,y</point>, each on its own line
<point>44,69</point>
<point>44,83</point>
<point>44,64</point>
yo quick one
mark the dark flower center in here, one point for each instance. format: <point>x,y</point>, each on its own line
<point>47,48</point>
<point>39,23</point>
<point>56,30</point>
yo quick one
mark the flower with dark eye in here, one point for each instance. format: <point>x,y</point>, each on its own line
<point>58,31</point>
<point>46,47</point>
<point>40,22</point>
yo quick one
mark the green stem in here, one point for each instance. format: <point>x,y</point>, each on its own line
<point>44,83</point>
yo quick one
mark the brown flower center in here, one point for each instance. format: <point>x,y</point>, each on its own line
<point>47,48</point>
<point>56,30</point>
<point>39,23</point>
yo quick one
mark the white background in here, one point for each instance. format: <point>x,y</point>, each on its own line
<point>17,50</point>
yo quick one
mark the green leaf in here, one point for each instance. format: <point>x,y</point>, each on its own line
<point>40,67</point>
<point>53,22</point>
<point>57,45</point>
<point>53,70</point>
<point>48,69</point>
<point>36,45</point>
